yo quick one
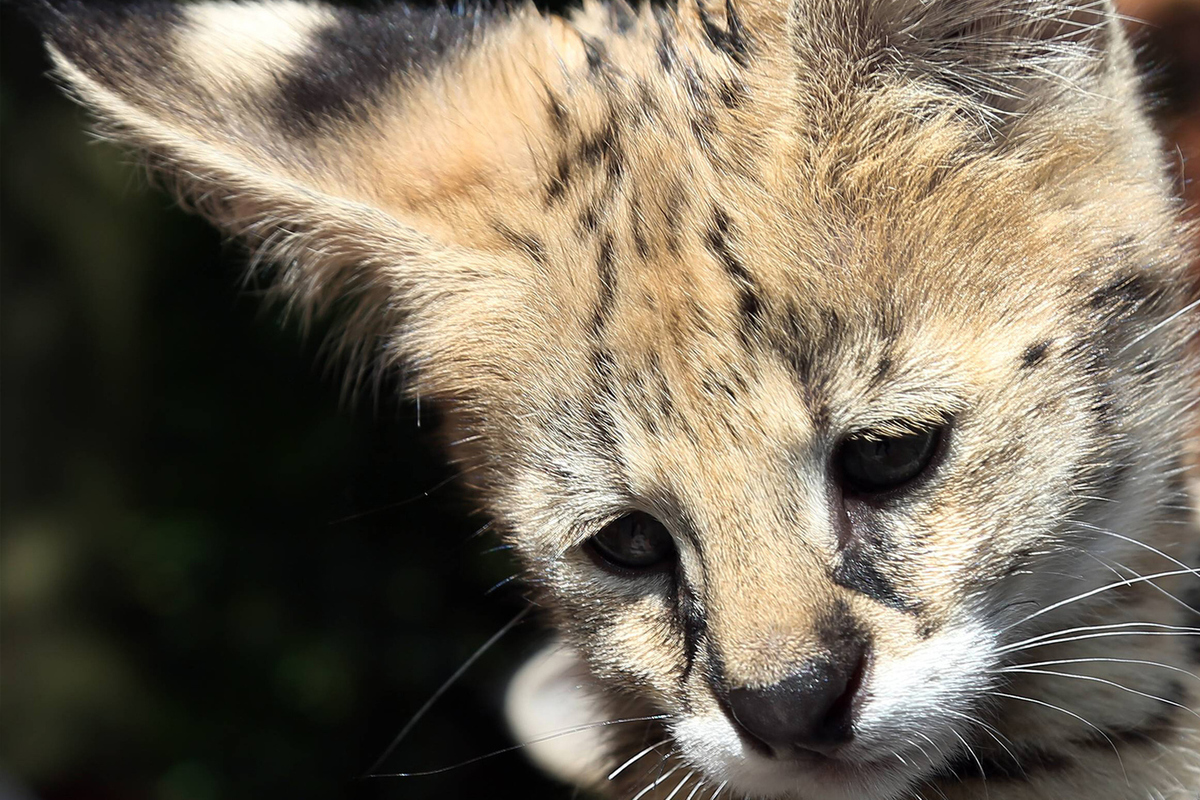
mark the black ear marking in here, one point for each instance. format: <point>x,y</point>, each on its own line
<point>750,303</point>
<point>362,53</point>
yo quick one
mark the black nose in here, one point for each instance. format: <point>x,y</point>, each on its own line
<point>811,710</point>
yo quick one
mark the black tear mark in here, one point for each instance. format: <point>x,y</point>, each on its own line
<point>606,273</point>
<point>1035,354</point>
<point>864,546</point>
<point>749,303</point>
<point>730,40</point>
<point>351,61</point>
<point>690,619</point>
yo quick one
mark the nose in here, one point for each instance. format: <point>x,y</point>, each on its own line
<point>812,709</point>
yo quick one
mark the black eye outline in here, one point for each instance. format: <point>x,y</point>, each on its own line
<point>614,547</point>
<point>861,459</point>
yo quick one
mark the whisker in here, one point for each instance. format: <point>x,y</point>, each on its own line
<point>1061,661</point>
<point>1086,628</point>
<point>1099,590</point>
<point>1070,714</point>
<point>1106,682</point>
<point>657,782</point>
<point>458,673</point>
<point>633,760</point>
<point>675,791</point>
<point>991,731</point>
<point>515,747</point>
<point>1105,635</point>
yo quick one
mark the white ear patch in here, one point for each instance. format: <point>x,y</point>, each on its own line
<point>249,45</point>
<point>553,692</point>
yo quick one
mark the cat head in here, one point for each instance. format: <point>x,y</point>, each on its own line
<point>800,349</point>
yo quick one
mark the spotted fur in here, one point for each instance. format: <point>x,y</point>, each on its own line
<point>666,259</point>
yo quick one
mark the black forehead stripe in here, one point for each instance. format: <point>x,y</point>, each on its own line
<point>104,36</point>
<point>353,60</point>
<point>606,274</point>
<point>717,240</point>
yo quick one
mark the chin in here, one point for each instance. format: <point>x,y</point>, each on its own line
<point>711,740</point>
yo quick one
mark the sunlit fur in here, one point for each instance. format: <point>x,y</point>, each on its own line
<point>665,259</point>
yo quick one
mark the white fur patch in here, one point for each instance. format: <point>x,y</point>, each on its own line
<point>248,45</point>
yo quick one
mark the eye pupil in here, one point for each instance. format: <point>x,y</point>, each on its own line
<point>636,541</point>
<point>872,463</point>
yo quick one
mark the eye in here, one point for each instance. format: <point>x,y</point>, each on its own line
<point>636,542</point>
<point>872,463</point>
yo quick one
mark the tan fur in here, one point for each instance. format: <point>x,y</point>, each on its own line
<point>871,217</point>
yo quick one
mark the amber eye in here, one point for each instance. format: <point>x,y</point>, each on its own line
<point>872,463</point>
<point>636,542</point>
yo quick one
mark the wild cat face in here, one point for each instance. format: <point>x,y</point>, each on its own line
<point>816,357</point>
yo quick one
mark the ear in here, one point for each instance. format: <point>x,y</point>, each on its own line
<point>1004,57</point>
<point>350,148</point>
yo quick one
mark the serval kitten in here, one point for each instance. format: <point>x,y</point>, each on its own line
<point>825,361</point>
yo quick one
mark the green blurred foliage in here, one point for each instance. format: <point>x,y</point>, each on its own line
<point>217,580</point>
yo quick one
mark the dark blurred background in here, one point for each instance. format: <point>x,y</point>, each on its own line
<point>218,578</point>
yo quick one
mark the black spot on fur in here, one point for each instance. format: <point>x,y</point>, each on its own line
<point>883,368</point>
<point>749,303</point>
<point>730,40</point>
<point>603,147</point>
<point>527,243</point>
<point>594,52</point>
<point>556,112</point>
<point>589,219</point>
<point>1122,294</point>
<point>1035,354</point>
<point>363,53</point>
<point>556,188</point>
<point>732,93</point>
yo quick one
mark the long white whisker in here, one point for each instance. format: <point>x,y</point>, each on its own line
<point>1106,682</point>
<point>1094,592</point>
<point>1103,635</point>
<point>1153,329</point>
<point>633,760</point>
<point>1062,661</point>
<point>1076,716</point>
<point>657,782</point>
<point>458,673</point>
<point>1087,628</point>
<point>515,747</point>
<point>675,791</point>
